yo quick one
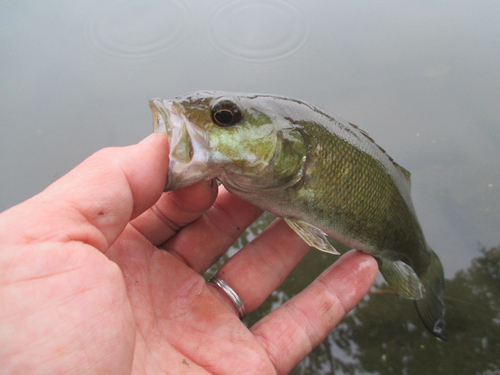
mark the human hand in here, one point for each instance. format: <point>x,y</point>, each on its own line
<point>101,273</point>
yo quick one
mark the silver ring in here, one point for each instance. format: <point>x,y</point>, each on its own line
<point>238,303</point>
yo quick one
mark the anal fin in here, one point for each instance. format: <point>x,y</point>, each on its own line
<point>313,236</point>
<point>401,278</point>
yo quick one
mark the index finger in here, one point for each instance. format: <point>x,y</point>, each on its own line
<point>174,210</point>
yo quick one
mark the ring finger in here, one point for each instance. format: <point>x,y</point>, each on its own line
<point>262,265</point>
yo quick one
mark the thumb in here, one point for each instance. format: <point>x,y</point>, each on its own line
<point>94,202</point>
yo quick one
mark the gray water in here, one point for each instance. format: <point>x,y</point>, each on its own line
<point>422,78</point>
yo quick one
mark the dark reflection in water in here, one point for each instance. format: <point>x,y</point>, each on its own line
<point>384,335</point>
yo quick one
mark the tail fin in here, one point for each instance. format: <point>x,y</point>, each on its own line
<point>431,308</point>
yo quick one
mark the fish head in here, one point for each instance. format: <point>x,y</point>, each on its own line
<point>237,139</point>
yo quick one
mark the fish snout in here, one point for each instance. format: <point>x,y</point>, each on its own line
<point>188,150</point>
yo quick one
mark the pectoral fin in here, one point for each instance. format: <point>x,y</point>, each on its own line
<point>313,236</point>
<point>401,278</point>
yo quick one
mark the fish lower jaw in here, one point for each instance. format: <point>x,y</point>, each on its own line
<point>186,174</point>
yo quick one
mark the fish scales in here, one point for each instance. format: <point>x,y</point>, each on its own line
<point>358,198</point>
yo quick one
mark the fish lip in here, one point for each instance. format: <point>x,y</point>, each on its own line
<point>184,169</point>
<point>162,114</point>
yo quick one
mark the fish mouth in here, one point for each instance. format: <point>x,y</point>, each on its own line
<point>161,116</point>
<point>189,156</point>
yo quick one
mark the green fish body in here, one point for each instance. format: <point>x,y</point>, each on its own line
<point>324,176</point>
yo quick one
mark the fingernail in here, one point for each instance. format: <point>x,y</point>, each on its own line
<point>214,185</point>
<point>152,138</point>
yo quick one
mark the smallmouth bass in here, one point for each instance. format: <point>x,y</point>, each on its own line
<point>323,175</point>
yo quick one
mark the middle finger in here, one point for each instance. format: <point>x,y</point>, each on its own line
<point>201,243</point>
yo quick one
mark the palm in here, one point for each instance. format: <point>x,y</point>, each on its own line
<point>180,323</point>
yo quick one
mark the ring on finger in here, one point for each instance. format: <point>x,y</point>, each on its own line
<point>238,303</point>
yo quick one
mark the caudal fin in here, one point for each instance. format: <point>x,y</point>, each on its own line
<point>431,308</point>
<point>426,288</point>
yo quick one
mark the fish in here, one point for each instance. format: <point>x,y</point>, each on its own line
<point>323,175</point>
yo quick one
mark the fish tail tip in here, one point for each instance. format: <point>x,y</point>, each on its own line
<point>437,326</point>
<point>431,308</point>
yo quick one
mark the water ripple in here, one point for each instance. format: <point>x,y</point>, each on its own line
<point>258,30</point>
<point>138,29</point>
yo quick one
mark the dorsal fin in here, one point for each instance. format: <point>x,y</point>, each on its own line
<point>404,171</point>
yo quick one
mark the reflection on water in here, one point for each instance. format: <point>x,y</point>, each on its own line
<point>138,29</point>
<point>384,334</point>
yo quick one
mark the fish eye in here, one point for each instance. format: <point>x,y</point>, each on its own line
<point>226,113</point>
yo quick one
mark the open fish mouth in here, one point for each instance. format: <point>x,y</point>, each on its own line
<point>189,154</point>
